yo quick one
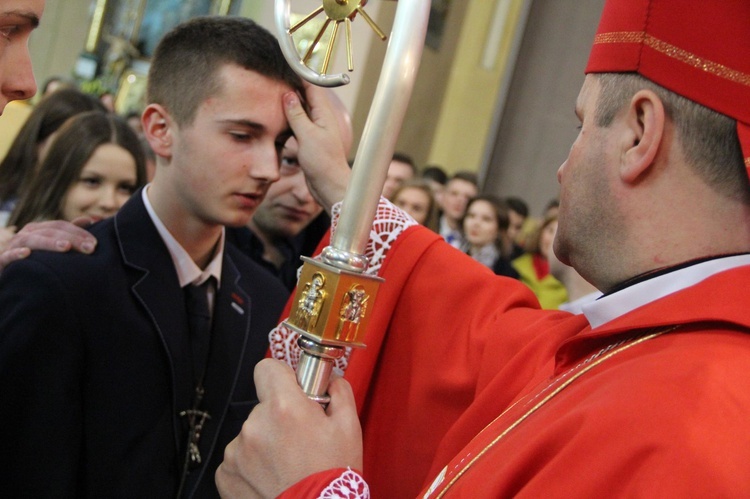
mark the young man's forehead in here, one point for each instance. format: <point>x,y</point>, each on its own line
<point>244,89</point>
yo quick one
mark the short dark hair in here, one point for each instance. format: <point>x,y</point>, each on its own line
<point>73,146</point>
<point>466,176</point>
<point>709,139</point>
<point>184,69</point>
<point>405,158</point>
<point>436,173</point>
<point>518,205</point>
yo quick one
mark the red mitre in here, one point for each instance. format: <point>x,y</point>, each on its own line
<point>695,48</point>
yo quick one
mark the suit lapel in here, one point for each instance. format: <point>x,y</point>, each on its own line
<point>156,287</point>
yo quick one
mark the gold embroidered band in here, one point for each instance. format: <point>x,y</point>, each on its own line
<point>676,53</point>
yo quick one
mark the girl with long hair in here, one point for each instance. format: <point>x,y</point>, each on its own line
<point>93,166</point>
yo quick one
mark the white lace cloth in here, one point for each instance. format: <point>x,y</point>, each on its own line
<point>350,485</point>
<point>389,223</point>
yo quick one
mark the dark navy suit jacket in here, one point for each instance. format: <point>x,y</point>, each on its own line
<point>95,366</point>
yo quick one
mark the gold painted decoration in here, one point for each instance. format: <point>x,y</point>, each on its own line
<point>351,313</point>
<point>311,302</point>
<point>331,304</point>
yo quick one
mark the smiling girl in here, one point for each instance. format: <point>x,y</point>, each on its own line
<point>91,169</point>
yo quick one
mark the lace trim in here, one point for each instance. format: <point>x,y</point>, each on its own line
<point>390,221</point>
<point>350,485</point>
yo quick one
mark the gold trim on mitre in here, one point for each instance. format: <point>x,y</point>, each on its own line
<point>676,53</point>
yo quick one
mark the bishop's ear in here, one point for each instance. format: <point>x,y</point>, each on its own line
<point>157,127</point>
<point>644,124</point>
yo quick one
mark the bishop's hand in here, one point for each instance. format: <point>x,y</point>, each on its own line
<point>322,152</point>
<point>288,436</point>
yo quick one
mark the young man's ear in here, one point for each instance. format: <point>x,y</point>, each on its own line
<point>644,122</point>
<point>157,128</point>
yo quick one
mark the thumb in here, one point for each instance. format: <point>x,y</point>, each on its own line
<point>343,406</point>
<point>12,255</point>
<point>342,411</point>
<point>340,389</point>
<point>83,221</point>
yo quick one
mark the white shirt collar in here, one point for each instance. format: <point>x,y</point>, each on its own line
<point>444,228</point>
<point>187,271</point>
<point>452,236</point>
<point>612,306</point>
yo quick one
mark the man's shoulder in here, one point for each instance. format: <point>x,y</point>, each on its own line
<point>103,259</point>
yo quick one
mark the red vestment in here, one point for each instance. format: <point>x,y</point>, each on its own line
<point>415,379</point>
<point>664,415</point>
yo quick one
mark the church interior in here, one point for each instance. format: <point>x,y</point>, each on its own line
<point>477,103</point>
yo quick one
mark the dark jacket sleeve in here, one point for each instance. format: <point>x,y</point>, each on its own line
<point>41,376</point>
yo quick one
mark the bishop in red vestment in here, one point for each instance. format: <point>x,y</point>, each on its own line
<point>471,390</point>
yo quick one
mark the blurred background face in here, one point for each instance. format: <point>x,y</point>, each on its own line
<point>455,197</point>
<point>415,202</point>
<point>546,238</point>
<point>515,225</point>
<point>288,206</point>
<point>106,182</point>
<point>437,190</point>
<point>480,224</point>
<point>398,173</point>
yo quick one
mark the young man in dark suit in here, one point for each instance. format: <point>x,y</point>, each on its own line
<point>108,389</point>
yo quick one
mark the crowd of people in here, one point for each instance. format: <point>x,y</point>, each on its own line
<point>137,305</point>
<point>497,232</point>
<point>288,223</point>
